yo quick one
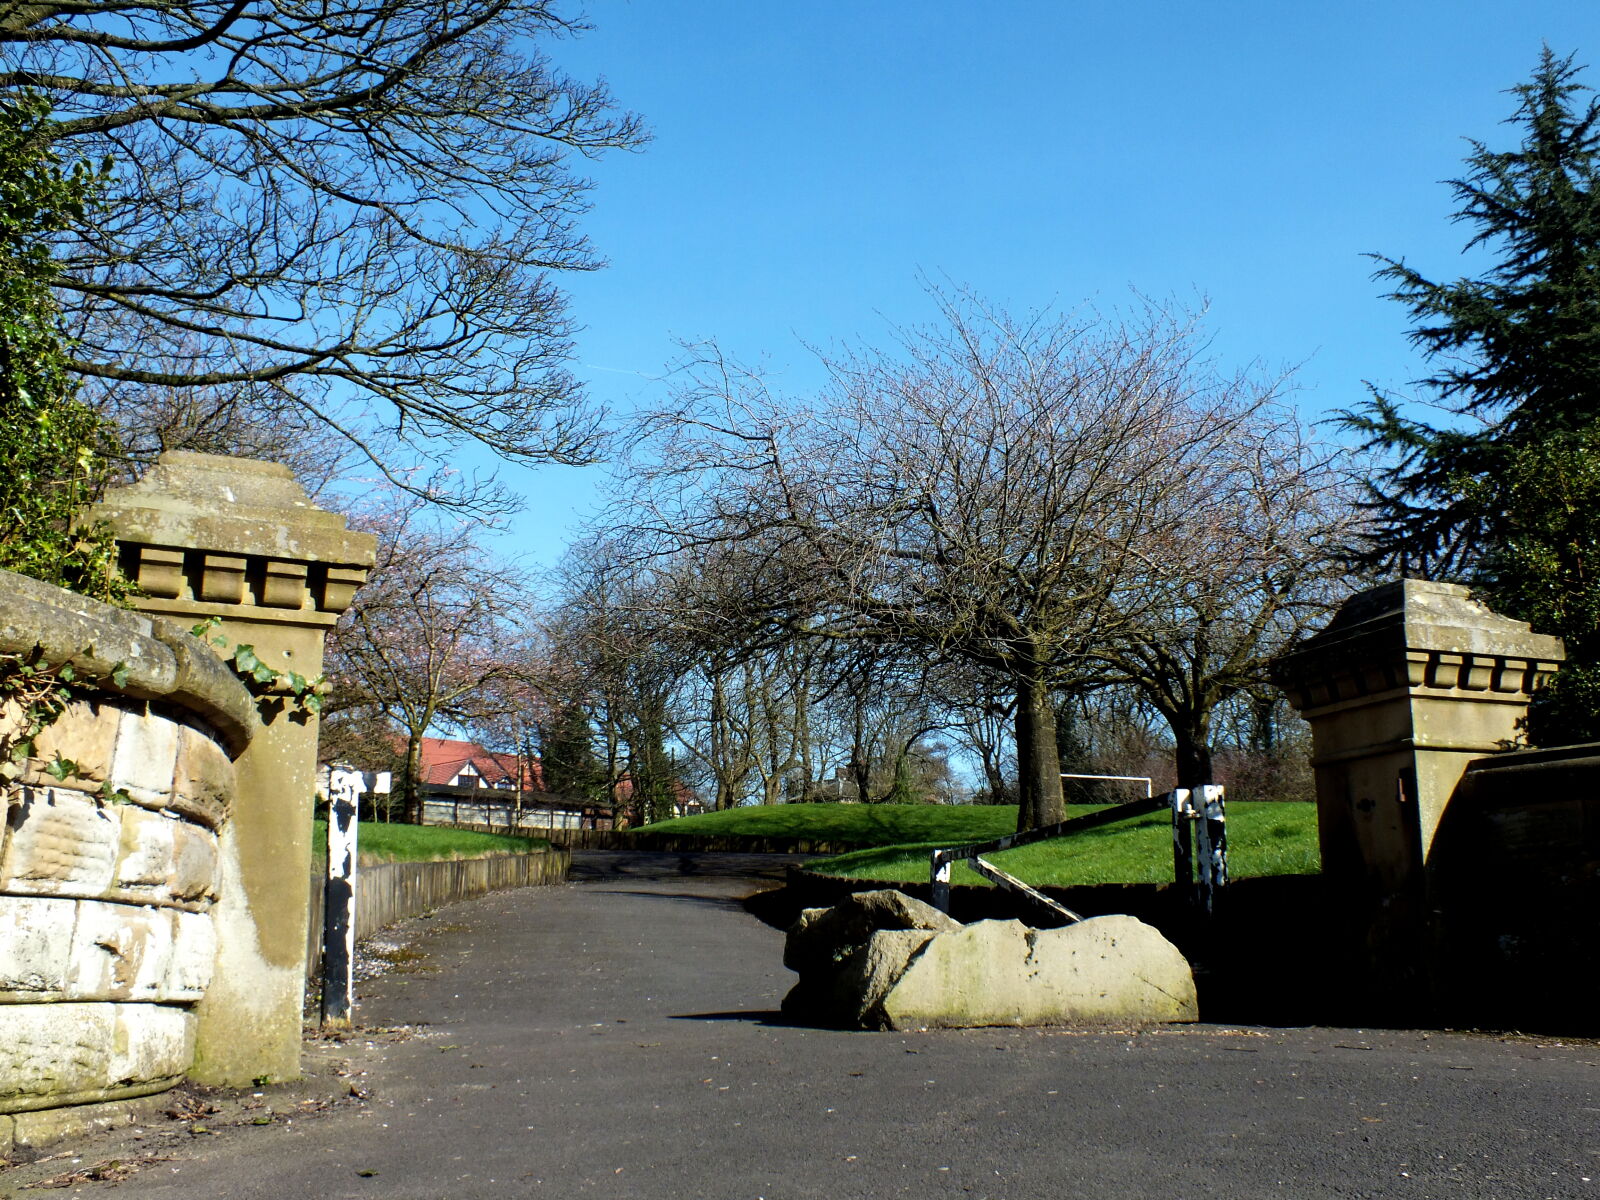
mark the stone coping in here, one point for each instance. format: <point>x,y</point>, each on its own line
<point>231,506</point>
<point>164,662</point>
<point>1420,636</point>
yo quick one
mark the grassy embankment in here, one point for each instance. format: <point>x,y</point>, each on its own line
<point>426,843</point>
<point>1263,839</point>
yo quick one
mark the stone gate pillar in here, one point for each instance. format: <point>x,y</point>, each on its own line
<point>1409,683</point>
<point>239,540</point>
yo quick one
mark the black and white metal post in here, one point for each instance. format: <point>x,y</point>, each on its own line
<point>1211,848</point>
<point>339,898</point>
<point>1183,815</point>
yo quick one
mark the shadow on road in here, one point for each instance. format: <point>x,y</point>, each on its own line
<point>730,903</point>
<point>770,1018</point>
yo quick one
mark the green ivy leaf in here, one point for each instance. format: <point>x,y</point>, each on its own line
<point>245,658</point>
<point>119,675</point>
<point>312,702</point>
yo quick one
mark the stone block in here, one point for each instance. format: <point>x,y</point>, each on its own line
<point>222,578</point>
<point>204,781</point>
<point>84,950</point>
<point>59,1054</point>
<point>35,951</point>
<point>1105,970</point>
<point>194,955</point>
<point>158,570</point>
<point>283,584</point>
<point>164,860</point>
<point>193,881</point>
<point>119,952</point>
<point>60,843</point>
<point>939,973</point>
<point>145,757</point>
<point>827,936</point>
<point>850,995</point>
<point>144,855</point>
<point>40,1130</point>
<point>85,734</point>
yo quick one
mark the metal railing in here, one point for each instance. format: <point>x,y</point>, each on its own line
<point>1199,846</point>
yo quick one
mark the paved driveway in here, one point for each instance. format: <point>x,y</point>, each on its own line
<point>618,1037</point>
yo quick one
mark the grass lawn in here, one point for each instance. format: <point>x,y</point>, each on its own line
<point>1263,839</point>
<point>426,843</point>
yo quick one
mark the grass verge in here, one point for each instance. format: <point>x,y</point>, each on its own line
<point>862,824</point>
<point>426,843</point>
<point>1263,839</point>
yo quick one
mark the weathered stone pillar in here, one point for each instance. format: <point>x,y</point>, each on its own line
<point>239,540</point>
<point>1409,683</point>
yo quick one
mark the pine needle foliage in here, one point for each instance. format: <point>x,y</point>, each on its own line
<point>1503,496</point>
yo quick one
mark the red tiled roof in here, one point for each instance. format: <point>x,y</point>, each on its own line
<point>444,758</point>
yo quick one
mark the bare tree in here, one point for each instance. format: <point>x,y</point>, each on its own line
<point>626,668</point>
<point>436,630</point>
<point>1250,559</point>
<point>225,420</point>
<point>993,490</point>
<point>356,207</point>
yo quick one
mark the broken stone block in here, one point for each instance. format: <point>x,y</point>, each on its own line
<point>824,936</point>
<point>1113,969</point>
<point>876,961</point>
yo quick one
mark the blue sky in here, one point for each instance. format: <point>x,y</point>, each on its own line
<point>811,162</point>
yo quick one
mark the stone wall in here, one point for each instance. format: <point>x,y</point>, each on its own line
<point>108,875</point>
<point>1516,890</point>
<point>387,892</point>
<point>1469,868</point>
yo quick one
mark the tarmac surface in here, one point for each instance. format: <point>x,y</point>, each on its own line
<point>619,1037</point>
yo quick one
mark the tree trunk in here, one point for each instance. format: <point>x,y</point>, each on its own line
<point>860,759</point>
<point>413,798</point>
<point>1039,800</point>
<point>1191,736</point>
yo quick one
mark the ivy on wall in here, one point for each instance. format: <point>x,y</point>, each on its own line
<point>55,452</point>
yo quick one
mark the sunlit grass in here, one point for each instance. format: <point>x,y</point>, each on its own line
<point>862,824</point>
<point>426,843</point>
<point>1263,839</point>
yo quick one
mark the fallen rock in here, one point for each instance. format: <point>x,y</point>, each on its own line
<point>825,937</point>
<point>848,955</point>
<point>1106,970</point>
<point>882,960</point>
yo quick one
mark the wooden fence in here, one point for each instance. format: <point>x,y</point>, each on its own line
<point>390,892</point>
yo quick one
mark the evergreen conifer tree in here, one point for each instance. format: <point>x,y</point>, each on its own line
<point>1505,498</point>
<point>567,756</point>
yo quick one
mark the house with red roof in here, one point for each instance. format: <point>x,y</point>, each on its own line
<point>462,783</point>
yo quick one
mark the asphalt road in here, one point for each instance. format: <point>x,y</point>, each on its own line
<point>618,1037</point>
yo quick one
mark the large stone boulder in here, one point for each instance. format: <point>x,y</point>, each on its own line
<point>881,960</point>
